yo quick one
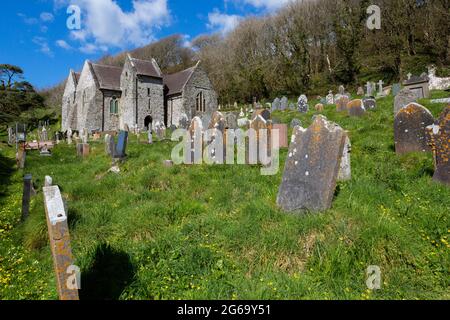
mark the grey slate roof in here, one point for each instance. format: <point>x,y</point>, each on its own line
<point>145,68</point>
<point>175,82</point>
<point>108,76</point>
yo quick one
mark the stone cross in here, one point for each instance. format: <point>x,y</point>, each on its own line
<point>380,87</point>
<point>410,129</point>
<point>409,75</point>
<point>312,167</point>
<point>439,140</point>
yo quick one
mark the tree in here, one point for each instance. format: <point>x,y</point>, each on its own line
<point>8,73</point>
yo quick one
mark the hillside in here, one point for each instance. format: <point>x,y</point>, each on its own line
<point>215,232</point>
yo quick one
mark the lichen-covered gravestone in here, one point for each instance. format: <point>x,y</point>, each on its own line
<point>231,121</point>
<point>369,103</point>
<point>403,98</point>
<point>356,108</point>
<point>341,104</point>
<point>319,107</point>
<point>410,129</point>
<point>276,105</point>
<point>439,140</point>
<point>302,103</point>
<point>312,167</point>
<point>360,91</point>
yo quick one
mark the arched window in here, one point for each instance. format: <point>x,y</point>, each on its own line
<point>114,106</point>
<point>200,102</point>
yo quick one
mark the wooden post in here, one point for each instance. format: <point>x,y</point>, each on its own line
<point>58,232</point>
<point>26,196</point>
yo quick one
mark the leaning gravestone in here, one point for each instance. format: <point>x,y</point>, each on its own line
<point>356,108</point>
<point>403,98</point>
<point>121,147</point>
<point>341,104</point>
<point>284,103</point>
<point>303,106</point>
<point>369,103</point>
<point>276,105</point>
<point>410,129</point>
<point>439,140</point>
<point>312,167</point>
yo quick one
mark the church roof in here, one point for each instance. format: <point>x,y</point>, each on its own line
<point>175,82</point>
<point>108,76</point>
<point>145,68</point>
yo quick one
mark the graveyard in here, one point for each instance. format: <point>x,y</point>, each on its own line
<point>155,231</point>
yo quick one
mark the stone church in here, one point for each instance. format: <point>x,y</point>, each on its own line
<point>106,98</point>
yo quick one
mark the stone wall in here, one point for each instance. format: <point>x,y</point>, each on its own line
<point>68,103</point>
<point>111,120</point>
<point>127,105</point>
<point>175,110</point>
<point>199,82</point>
<point>150,100</point>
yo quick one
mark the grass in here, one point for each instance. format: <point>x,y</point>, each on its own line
<point>215,232</point>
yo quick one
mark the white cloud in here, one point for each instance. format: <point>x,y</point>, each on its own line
<point>28,20</point>
<point>42,43</point>
<point>105,24</point>
<point>222,22</point>
<point>63,44</point>
<point>47,17</point>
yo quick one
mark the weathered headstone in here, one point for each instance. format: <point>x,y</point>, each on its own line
<point>356,108</point>
<point>110,145</point>
<point>149,136</point>
<point>184,122</point>
<point>302,103</point>
<point>296,123</point>
<point>360,91</point>
<point>345,171</point>
<point>396,87</point>
<point>403,98</point>
<point>369,103</point>
<point>58,232</point>
<point>83,150</point>
<point>160,130</point>
<point>283,134</point>
<point>341,90</point>
<point>370,89</point>
<point>292,106</point>
<point>312,167</point>
<point>231,121</point>
<point>44,134</point>
<point>266,114</point>
<point>10,136</point>
<point>439,140</point>
<point>410,129</point>
<point>26,196</point>
<point>69,136</point>
<point>217,122</point>
<point>330,98</point>
<point>341,104</point>
<point>121,147</point>
<point>284,103</point>
<point>380,89</point>
<point>319,107</point>
<point>276,105</point>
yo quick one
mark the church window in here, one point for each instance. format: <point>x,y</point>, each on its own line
<point>114,106</point>
<point>200,103</point>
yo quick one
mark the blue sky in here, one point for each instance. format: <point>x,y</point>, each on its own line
<point>35,36</point>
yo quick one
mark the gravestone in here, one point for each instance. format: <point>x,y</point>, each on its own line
<point>184,122</point>
<point>83,150</point>
<point>380,89</point>
<point>312,167</point>
<point>341,90</point>
<point>284,103</point>
<point>160,130</point>
<point>410,129</point>
<point>296,123</point>
<point>150,136</point>
<point>403,98</point>
<point>231,121</point>
<point>10,136</point>
<point>58,234</point>
<point>44,134</point>
<point>330,98</point>
<point>369,103</point>
<point>356,108</point>
<point>341,104</point>
<point>196,133</point>
<point>276,105</point>
<point>291,106</point>
<point>126,127</point>
<point>319,107</point>
<point>263,113</point>
<point>121,147</point>
<point>360,91</point>
<point>396,87</point>
<point>439,141</point>
<point>302,103</point>
<point>44,152</point>
<point>69,136</point>
<point>345,171</point>
<point>217,122</point>
<point>110,145</point>
<point>85,136</point>
<point>283,135</point>
<point>370,89</point>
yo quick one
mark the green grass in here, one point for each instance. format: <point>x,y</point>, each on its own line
<point>215,232</point>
